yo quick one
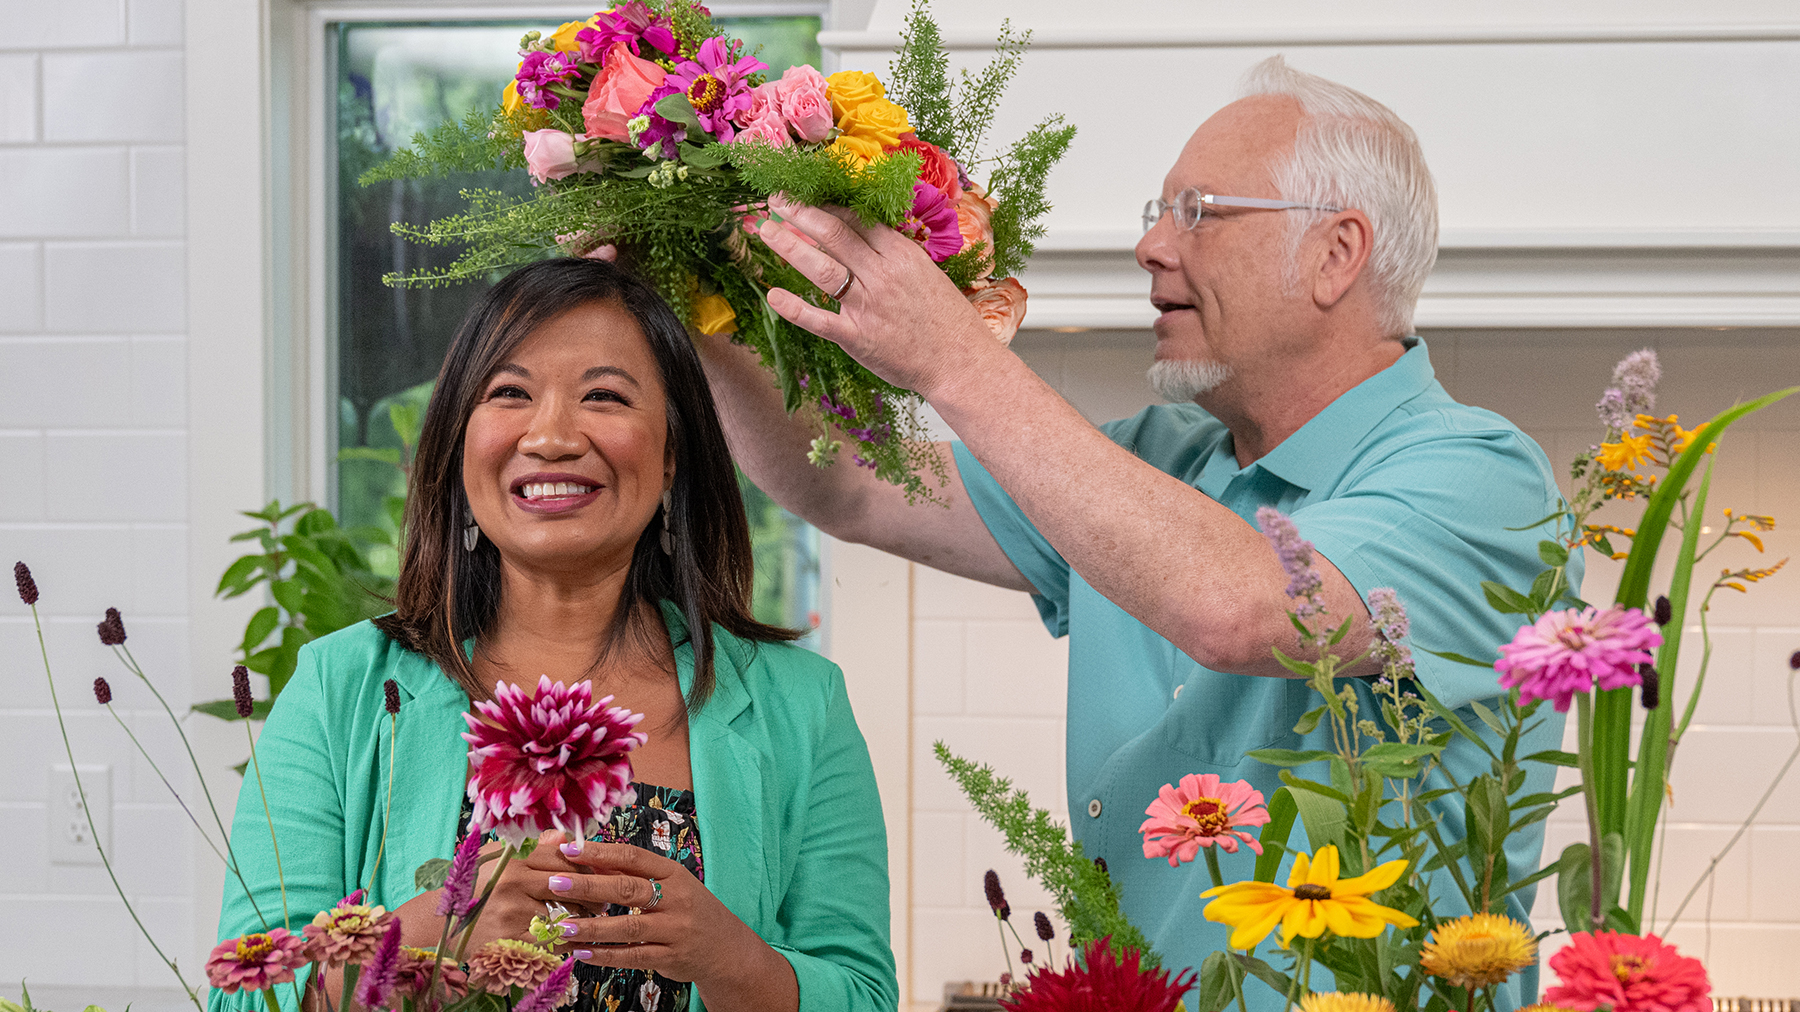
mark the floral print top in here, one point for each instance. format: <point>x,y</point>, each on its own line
<point>663,822</point>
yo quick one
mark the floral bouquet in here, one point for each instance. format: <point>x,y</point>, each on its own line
<point>649,129</point>
<point>1369,900</point>
<point>554,759</point>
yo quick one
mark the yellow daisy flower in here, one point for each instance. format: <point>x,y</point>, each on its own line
<point>1334,1001</point>
<point>1313,900</point>
<point>1624,455</point>
<point>1478,951</point>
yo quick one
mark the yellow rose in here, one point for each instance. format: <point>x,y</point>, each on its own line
<point>850,89</point>
<point>879,122</point>
<point>564,38</point>
<point>713,315</point>
<point>861,149</point>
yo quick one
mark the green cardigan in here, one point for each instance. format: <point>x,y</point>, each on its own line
<point>789,816</point>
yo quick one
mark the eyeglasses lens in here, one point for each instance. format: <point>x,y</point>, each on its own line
<point>1153,210</point>
<point>1187,208</point>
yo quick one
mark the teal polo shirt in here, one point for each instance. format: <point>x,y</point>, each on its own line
<point>1398,486</point>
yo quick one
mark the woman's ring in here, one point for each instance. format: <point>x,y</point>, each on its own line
<point>838,296</point>
<point>655,894</point>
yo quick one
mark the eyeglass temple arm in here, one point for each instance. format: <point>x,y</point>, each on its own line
<point>1277,205</point>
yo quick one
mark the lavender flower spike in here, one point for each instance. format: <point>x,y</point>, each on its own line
<point>1296,556</point>
<point>551,993</point>
<point>1391,624</point>
<point>458,897</point>
<point>375,989</point>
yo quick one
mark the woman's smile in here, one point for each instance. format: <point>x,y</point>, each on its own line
<point>554,492</point>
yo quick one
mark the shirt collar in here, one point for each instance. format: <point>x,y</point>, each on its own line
<point>1319,450</point>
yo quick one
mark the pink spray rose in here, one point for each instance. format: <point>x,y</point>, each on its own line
<point>805,103</point>
<point>618,92</point>
<point>768,128</point>
<point>550,154</point>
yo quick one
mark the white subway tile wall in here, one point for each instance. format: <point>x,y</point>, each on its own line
<point>93,493</point>
<point>989,680</point>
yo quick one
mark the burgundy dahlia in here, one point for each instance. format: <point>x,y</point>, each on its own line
<point>112,628</point>
<point>28,591</point>
<point>240,691</point>
<point>554,760</point>
<point>1101,982</point>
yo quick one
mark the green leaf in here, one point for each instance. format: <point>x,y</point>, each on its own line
<point>431,874</point>
<point>287,594</point>
<point>1449,716</point>
<point>258,629</point>
<point>1298,667</point>
<point>1544,589</point>
<point>1458,658</point>
<point>239,576</point>
<point>1274,834</point>
<point>1488,717</point>
<point>1325,818</point>
<point>1264,972</point>
<point>1486,817</point>
<point>1368,807</point>
<point>1553,554</point>
<point>377,454</point>
<point>1397,760</point>
<point>1309,720</point>
<point>677,109</point>
<point>405,416</point>
<point>1342,631</point>
<point>1287,757</point>
<point>1553,757</point>
<point>226,709</point>
<point>1540,523</point>
<point>1288,778</point>
<point>1505,600</point>
<point>1216,990</point>
<point>710,156</point>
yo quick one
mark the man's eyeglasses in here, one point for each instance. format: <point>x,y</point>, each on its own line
<point>1191,205</point>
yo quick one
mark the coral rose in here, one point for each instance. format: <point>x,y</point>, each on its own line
<point>935,167</point>
<point>1001,305</point>
<point>975,220</point>
<point>805,100</point>
<point>618,92</point>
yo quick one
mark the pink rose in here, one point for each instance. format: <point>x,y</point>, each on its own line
<point>805,103</point>
<point>618,92</point>
<point>1001,305</point>
<point>769,128</point>
<point>975,220</point>
<point>550,154</point>
<point>763,101</point>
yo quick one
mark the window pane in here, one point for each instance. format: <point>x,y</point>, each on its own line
<point>394,80</point>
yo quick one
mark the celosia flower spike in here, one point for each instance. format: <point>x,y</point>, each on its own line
<point>240,691</point>
<point>458,896</point>
<point>102,691</point>
<point>391,696</point>
<point>1296,555</point>
<point>375,988</point>
<point>112,628</point>
<point>28,591</point>
<point>550,993</point>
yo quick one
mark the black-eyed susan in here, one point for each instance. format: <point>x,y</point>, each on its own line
<point>1313,900</point>
<point>1479,950</point>
<point>1352,1001</point>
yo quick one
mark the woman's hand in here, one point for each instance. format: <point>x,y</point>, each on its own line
<point>682,930</point>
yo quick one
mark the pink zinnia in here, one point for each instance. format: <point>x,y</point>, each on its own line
<point>556,760</point>
<point>1203,811</point>
<point>1628,974</point>
<point>932,223</point>
<point>1571,651</point>
<point>1101,982</point>
<point>716,85</point>
<point>255,961</point>
<point>414,975</point>
<point>347,933</point>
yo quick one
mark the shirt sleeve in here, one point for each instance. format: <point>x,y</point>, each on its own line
<point>1431,520</point>
<point>1028,549</point>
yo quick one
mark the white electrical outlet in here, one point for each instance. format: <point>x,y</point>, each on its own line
<point>71,837</point>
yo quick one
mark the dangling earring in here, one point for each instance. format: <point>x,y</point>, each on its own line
<point>668,536</point>
<point>471,533</point>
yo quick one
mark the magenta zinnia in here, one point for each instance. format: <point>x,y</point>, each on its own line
<point>256,961</point>
<point>1101,982</point>
<point>1572,651</point>
<point>932,223</point>
<point>627,23</point>
<point>1201,812</point>
<point>1628,974</point>
<point>556,760</point>
<point>717,84</point>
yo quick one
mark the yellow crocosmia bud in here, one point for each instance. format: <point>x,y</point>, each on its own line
<point>713,315</point>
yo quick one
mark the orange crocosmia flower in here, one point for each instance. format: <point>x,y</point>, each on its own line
<point>1624,455</point>
<point>1314,900</point>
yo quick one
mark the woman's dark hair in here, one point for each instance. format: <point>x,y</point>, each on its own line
<point>445,595</point>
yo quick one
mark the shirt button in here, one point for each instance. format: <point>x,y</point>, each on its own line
<point>1178,689</point>
<point>1094,808</point>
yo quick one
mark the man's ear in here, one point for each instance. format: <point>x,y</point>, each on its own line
<point>1348,237</point>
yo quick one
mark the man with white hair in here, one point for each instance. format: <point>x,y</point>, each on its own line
<point>1286,253</point>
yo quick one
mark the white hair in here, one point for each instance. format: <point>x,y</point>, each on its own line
<point>1181,380</point>
<point>1351,151</point>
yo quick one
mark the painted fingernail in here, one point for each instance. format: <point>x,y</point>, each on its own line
<point>571,929</point>
<point>584,954</point>
<point>573,849</point>
<point>561,883</point>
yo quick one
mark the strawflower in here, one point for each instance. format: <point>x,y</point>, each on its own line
<point>1479,950</point>
<point>628,23</point>
<point>347,933</point>
<point>551,993</point>
<point>375,989</point>
<point>932,223</point>
<point>256,961</point>
<point>1314,900</point>
<point>1304,584</point>
<point>1345,1001</point>
<point>1574,650</point>
<point>1101,982</point>
<point>508,963</point>
<point>556,760</point>
<point>1627,974</point>
<point>1201,812</point>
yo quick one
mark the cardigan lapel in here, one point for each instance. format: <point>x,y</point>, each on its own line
<point>429,781</point>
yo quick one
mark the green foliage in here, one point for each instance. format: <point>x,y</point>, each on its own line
<point>881,193</point>
<point>478,142</point>
<point>1085,895</point>
<point>1018,185</point>
<point>919,79</point>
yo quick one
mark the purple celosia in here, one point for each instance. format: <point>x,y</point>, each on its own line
<point>932,223</point>
<point>375,988</point>
<point>551,993</point>
<point>1633,390</point>
<point>458,897</point>
<point>1388,616</point>
<point>716,84</point>
<point>1296,554</point>
<point>627,23</point>
<point>541,70</point>
<point>1572,651</point>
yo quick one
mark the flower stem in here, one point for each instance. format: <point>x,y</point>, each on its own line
<point>1584,728</point>
<point>1212,867</point>
<point>269,1000</point>
<point>1000,926</point>
<point>388,814</point>
<point>437,962</point>
<point>468,930</point>
<point>280,876</point>
<point>75,771</point>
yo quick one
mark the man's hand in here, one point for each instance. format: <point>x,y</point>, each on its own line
<point>900,316</point>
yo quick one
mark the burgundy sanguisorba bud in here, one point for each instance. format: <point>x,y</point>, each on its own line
<point>1663,611</point>
<point>391,689</point>
<point>1005,911</point>
<point>1025,956</point>
<point>1100,863</point>
<point>28,591</point>
<point>1794,660</point>
<point>112,628</point>
<point>102,691</point>
<point>1650,687</point>
<point>990,883</point>
<point>1042,923</point>
<point>240,691</point>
